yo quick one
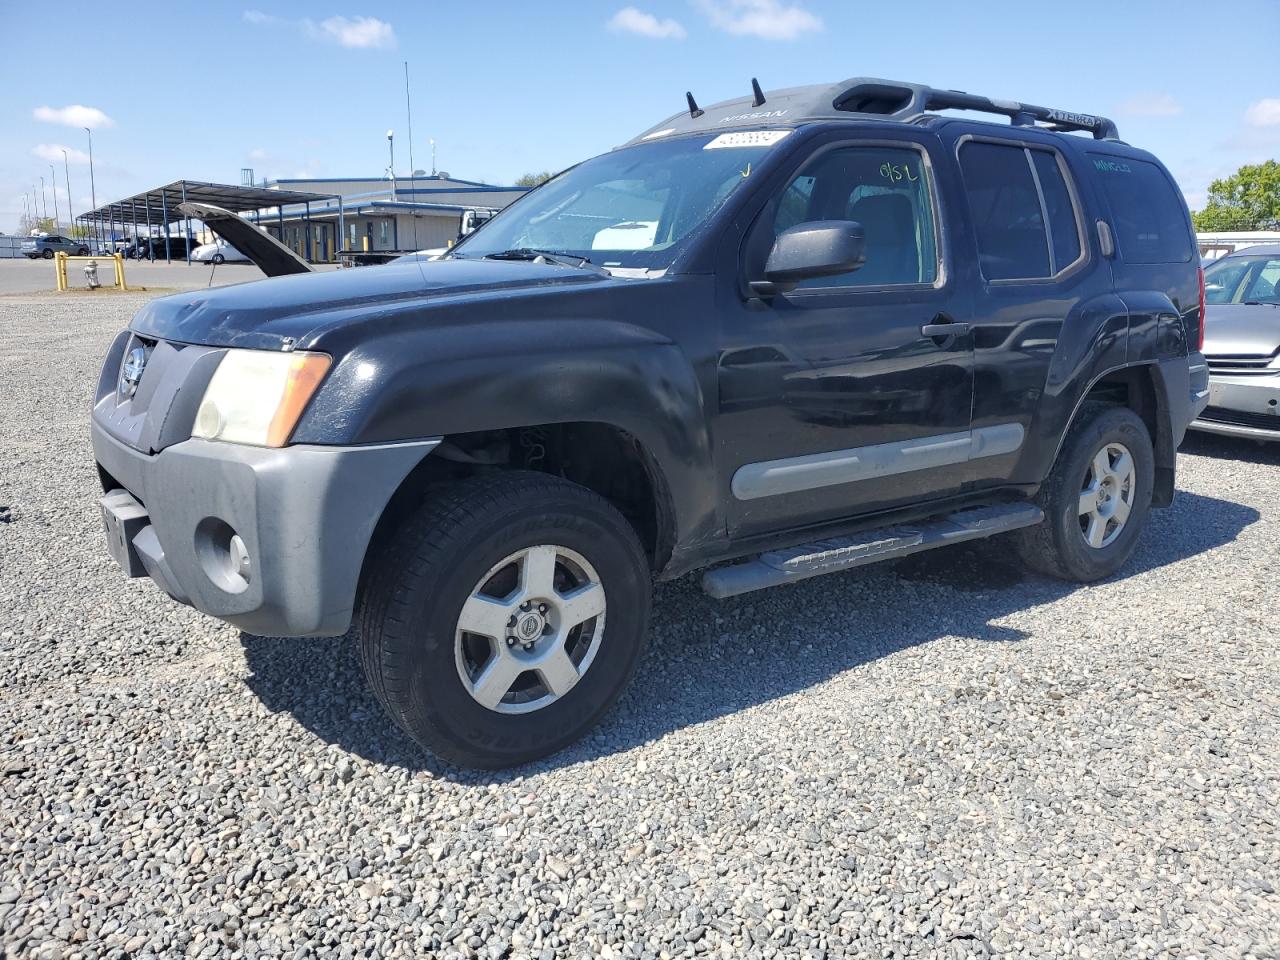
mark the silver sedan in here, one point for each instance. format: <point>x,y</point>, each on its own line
<point>1242,344</point>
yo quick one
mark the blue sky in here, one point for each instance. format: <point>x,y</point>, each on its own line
<point>177,89</point>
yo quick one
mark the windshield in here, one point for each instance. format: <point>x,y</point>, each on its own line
<point>634,207</point>
<point>1243,280</point>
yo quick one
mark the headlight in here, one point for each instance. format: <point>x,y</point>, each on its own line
<point>257,396</point>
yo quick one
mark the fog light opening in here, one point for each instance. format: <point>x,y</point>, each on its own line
<point>223,555</point>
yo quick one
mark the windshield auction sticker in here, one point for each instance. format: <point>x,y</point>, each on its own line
<point>746,138</point>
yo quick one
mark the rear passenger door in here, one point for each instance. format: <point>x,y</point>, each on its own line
<point>1033,269</point>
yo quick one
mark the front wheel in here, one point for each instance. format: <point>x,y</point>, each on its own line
<point>83,252</point>
<point>1095,500</point>
<point>218,258</point>
<point>47,254</point>
<point>505,618</point>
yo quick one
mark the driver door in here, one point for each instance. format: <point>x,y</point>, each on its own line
<point>851,394</point>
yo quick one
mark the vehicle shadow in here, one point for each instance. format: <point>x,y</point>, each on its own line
<point>709,658</point>
<point>1231,448</point>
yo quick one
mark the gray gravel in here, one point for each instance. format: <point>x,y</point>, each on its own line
<point>943,758</point>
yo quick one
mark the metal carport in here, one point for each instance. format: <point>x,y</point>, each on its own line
<point>158,207</point>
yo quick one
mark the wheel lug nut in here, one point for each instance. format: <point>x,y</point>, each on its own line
<point>542,608</point>
<point>526,605</point>
<point>511,641</point>
<point>528,646</point>
<point>511,621</point>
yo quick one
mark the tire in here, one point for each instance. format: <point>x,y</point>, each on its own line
<point>427,671</point>
<point>218,258</point>
<point>82,252</point>
<point>1092,523</point>
<point>47,254</point>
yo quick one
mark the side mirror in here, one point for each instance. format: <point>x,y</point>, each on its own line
<point>823,248</point>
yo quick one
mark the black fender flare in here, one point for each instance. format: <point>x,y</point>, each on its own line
<point>502,375</point>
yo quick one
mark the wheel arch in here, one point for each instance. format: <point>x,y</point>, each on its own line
<point>602,457</point>
<point>1145,389</point>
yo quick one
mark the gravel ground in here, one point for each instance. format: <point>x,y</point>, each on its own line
<point>941,758</point>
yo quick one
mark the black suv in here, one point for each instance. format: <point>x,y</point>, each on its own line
<point>799,331</point>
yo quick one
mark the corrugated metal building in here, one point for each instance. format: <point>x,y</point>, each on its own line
<point>413,213</point>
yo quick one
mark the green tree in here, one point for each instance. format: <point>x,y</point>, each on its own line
<point>533,179</point>
<point>1249,199</point>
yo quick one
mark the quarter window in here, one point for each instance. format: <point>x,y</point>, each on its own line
<point>1150,224</point>
<point>886,189</point>
<point>1025,222</point>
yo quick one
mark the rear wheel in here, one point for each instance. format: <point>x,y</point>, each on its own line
<point>483,623</point>
<point>218,258</point>
<point>1096,500</point>
<point>83,252</point>
<point>47,254</point>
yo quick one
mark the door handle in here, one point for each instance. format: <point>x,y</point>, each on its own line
<point>950,329</point>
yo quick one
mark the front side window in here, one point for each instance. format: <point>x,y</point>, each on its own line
<point>886,189</point>
<point>1026,224</point>
<point>1150,225</point>
<point>636,207</point>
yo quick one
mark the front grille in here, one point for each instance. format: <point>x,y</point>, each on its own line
<point>1242,364</point>
<point>1240,418</point>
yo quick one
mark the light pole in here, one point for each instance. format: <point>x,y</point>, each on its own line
<point>391,146</point>
<point>433,158</point>
<point>93,191</point>
<point>66,170</point>
<point>53,179</point>
<point>26,212</point>
<point>44,199</point>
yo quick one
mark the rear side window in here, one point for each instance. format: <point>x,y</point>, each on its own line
<point>1147,215</point>
<point>1026,224</point>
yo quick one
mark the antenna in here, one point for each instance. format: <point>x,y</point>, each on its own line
<point>408,109</point>
<point>758,100</point>
<point>694,112</point>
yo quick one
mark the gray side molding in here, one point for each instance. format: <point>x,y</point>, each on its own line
<point>770,478</point>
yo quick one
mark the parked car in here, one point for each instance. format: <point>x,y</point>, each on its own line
<point>45,247</point>
<point>153,248</point>
<point>1242,344</point>
<point>218,252</point>
<point>861,329</point>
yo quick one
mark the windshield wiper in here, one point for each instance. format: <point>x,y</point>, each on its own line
<point>1258,303</point>
<point>550,256</point>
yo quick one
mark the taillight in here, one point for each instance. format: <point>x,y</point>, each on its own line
<point>1200,336</point>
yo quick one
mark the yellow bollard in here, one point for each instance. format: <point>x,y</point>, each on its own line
<point>60,270</point>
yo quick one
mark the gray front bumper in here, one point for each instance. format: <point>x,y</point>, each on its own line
<point>1242,407</point>
<point>304,513</point>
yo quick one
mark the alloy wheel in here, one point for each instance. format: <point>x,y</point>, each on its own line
<point>530,629</point>
<point>1107,496</point>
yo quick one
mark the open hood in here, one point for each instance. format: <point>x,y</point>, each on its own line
<point>271,256</point>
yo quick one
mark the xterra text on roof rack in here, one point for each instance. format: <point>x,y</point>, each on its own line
<point>800,331</point>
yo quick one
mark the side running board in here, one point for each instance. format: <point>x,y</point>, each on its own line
<point>843,553</point>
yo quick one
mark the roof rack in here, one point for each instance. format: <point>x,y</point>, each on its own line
<point>870,97</point>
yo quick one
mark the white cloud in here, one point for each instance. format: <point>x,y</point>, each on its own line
<point>258,17</point>
<point>74,116</point>
<point>768,19</point>
<point>1264,113</point>
<point>53,153</point>
<point>360,33</point>
<point>1151,105</point>
<point>257,153</point>
<point>631,20</point>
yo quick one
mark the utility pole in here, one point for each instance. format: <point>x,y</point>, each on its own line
<point>66,170</point>
<point>44,199</point>
<point>53,178</point>
<point>93,191</point>
<point>391,145</point>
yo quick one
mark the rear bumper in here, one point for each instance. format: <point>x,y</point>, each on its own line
<point>1242,407</point>
<point>303,515</point>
